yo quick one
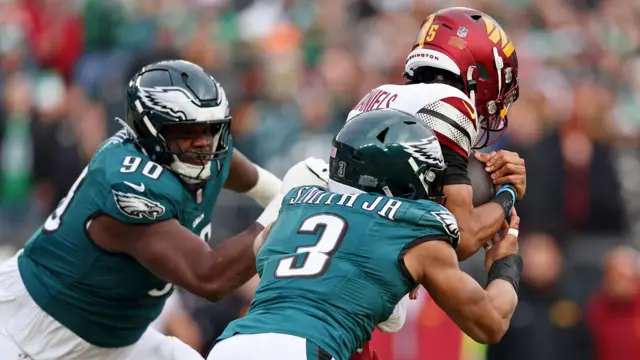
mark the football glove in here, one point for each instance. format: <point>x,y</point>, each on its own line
<point>310,171</point>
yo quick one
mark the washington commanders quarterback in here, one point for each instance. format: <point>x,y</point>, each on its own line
<point>136,222</point>
<point>461,79</point>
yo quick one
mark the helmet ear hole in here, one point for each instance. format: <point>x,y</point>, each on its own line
<point>483,72</point>
<point>355,156</point>
<point>476,17</point>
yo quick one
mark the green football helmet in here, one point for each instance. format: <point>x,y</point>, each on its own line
<point>178,92</point>
<point>389,152</point>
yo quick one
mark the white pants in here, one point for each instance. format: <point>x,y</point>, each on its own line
<point>268,346</point>
<point>27,332</point>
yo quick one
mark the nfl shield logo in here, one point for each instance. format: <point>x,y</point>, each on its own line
<point>463,32</point>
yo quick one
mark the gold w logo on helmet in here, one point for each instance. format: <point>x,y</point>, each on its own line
<point>496,33</point>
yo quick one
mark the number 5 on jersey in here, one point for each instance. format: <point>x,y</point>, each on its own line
<point>315,259</point>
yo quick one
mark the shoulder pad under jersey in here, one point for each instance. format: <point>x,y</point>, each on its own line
<point>432,220</point>
<point>447,110</point>
<point>137,189</point>
<point>449,113</point>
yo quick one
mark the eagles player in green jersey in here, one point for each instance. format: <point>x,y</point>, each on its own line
<point>336,261</point>
<point>136,222</point>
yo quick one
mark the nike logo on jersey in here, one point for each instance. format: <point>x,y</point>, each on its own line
<point>198,219</point>
<point>136,187</point>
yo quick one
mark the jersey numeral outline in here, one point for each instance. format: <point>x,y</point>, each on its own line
<point>150,169</point>
<point>129,165</point>
<point>55,219</point>
<point>331,230</point>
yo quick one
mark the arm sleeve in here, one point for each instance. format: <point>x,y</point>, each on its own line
<point>396,320</point>
<point>456,173</point>
<point>130,205</point>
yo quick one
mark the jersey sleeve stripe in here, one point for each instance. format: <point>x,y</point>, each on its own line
<point>466,110</point>
<point>446,142</point>
<point>447,128</point>
<point>447,120</point>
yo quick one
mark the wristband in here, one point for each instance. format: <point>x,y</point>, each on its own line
<point>508,269</point>
<point>506,198</point>
<point>266,188</point>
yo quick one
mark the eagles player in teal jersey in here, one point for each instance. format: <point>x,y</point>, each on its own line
<point>136,222</point>
<point>336,261</point>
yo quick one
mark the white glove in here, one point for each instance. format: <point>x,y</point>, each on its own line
<point>395,322</point>
<point>310,171</point>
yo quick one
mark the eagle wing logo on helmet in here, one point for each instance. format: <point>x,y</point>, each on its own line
<point>172,100</point>
<point>137,206</point>
<point>426,150</point>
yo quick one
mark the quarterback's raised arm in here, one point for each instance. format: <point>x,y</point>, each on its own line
<point>175,254</point>
<point>482,314</point>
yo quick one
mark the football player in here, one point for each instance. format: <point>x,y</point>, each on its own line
<point>136,222</point>
<point>462,77</point>
<point>336,262</point>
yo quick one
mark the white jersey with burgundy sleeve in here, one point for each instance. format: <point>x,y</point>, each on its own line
<point>445,109</point>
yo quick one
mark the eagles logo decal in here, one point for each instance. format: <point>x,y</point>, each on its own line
<point>137,206</point>
<point>426,150</point>
<point>449,223</point>
<point>171,100</point>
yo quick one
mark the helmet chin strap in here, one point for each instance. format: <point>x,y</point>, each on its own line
<point>472,91</point>
<point>191,174</point>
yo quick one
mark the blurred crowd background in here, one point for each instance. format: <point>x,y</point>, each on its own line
<point>292,69</point>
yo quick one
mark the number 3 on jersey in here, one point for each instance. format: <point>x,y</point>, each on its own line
<point>129,165</point>
<point>332,229</point>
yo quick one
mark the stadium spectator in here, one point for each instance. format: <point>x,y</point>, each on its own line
<point>614,310</point>
<point>548,324</point>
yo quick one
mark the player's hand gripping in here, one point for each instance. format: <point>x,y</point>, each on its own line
<point>506,167</point>
<point>504,245</point>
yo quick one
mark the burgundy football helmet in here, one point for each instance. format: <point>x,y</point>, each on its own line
<point>473,46</point>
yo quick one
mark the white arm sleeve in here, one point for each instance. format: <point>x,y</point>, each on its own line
<point>395,322</point>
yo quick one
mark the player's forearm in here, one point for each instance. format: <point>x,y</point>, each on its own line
<point>232,263</point>
<point>482,223</point>
<point>490,321</point>
<point>503,299</point>
<point>472,308</point>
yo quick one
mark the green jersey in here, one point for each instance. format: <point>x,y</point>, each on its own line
<point>332,266</point>
<point>109,299</point>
